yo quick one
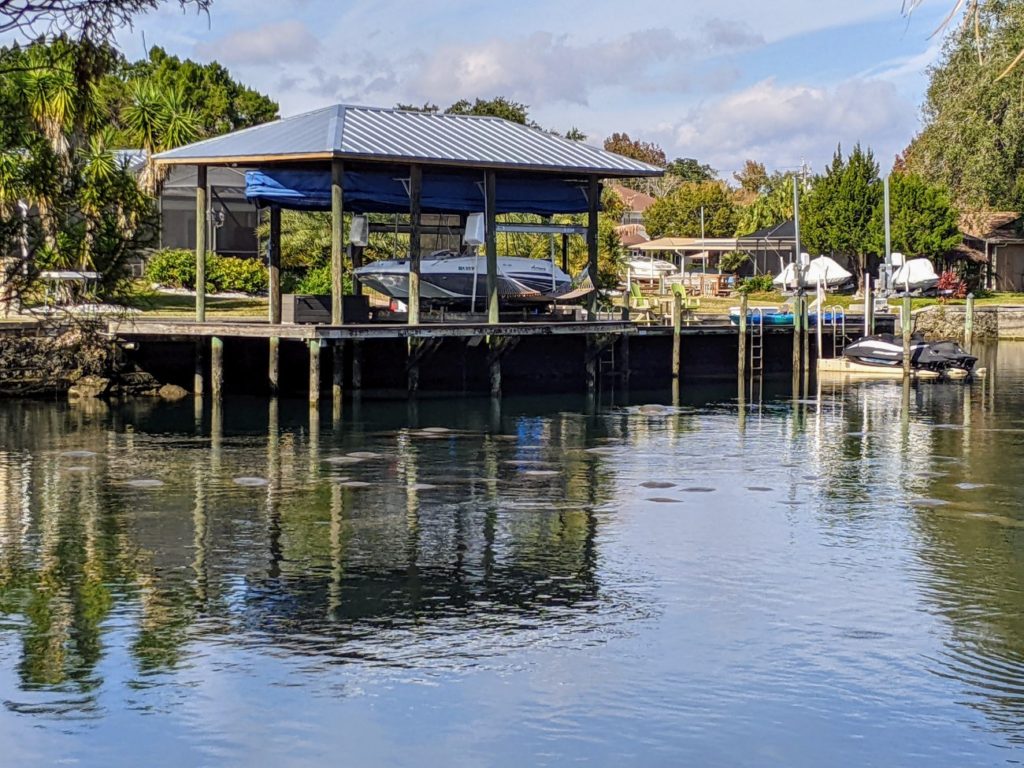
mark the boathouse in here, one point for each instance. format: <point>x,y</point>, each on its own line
<point>349,159</point>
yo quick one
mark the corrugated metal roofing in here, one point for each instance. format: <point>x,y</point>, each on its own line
<point>390,135</point>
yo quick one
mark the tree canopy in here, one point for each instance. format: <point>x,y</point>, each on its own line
<point>973,135</point>
<point>678,214</point>
<point>923,222</point>
<point>689,169</point>
<point>96,19</point>
<point>644,151</point>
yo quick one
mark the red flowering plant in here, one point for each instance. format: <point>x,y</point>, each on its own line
<point>951,286</point>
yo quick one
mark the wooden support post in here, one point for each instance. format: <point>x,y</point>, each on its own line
<point>677,338</point>
<point>415,226</point>
<point>337,237</point>
<point>201,224</point>
<point>906,323</point>
<point>624,359</point>
<point>357,365</point>
<point>869,308</point>
<point>337,376</point>
<point>741,365</point>
<point>197,382</point>
<point>216,367</point>
<point>797,316</point>
<point>593,206</point>
<point>274,266</point>
<point>590,364</point>
<point>969,323</point>
<point>805,329</point>
<point>314,372</point>
<point>565,253</point>
<point>356,255</point>
<point>495,372</point>
<point>274,365</point>
<point>414,366</point>
<point>274,291</point>
<point>491,245</point>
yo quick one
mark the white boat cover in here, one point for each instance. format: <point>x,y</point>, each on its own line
<point>915,273</point>
<point>826,270</point>
<point>651,269</point>
<point>823,268</point>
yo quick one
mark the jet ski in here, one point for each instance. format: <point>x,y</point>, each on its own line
<point>886,351</point>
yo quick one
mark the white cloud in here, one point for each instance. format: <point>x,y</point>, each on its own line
<point>781,125</point>
<point>269,45</point>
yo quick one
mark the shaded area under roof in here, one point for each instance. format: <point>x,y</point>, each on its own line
<point>395,136</point>
<point>388,192</point>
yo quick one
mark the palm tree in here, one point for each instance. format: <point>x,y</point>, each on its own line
<point>158,119</point>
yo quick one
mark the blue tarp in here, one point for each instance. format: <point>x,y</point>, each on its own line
<point>381,192</point>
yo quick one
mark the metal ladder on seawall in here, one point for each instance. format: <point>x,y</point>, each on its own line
<point>836,321</point>
<point>756,331</point>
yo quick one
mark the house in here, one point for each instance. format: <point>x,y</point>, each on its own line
<point>636,203</point>
<point>231,230</point>
<point>996,238</point>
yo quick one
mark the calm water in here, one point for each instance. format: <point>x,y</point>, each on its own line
<point>828,581</point>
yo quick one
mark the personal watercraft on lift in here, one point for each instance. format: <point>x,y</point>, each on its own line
<point>886,351</point>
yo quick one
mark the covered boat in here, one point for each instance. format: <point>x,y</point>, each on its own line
<point>450,277</point>
<point>915,276</point>
<point>823,270</point>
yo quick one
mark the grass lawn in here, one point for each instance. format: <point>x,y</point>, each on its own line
<point>154,304</point>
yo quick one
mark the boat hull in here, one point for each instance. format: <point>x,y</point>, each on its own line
<point>453,279</point>
<point>886,351</point>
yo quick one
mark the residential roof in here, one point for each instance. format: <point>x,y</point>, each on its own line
<point>391,135</point>
<point>634,200</point>
<point>683,244</point>
<point>992,226</point>
<point>784,231</point>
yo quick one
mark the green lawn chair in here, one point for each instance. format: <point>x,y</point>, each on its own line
<point>690,303</point>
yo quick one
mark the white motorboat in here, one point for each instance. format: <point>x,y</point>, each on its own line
<point>823,269</point>
<point>447,276</point>
<point>915,276</point>
<point>651,269</point>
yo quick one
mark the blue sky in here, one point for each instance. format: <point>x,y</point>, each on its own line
<point>780,82</point>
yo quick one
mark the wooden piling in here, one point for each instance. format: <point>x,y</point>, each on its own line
<point>905,322</point>
<point>274,295</point>
<point>869,308</point>
<point>357,365</point>
<point>216,367</point>
<point>201,224</point>
<point>741,365</point>
<point>491,245</point>
<point>197,380</point>
<point>495,373</point>
<point>274,365</point>
<point>797,317</point>
<point>314,372</point>
<point>415,226</point>
<point>677,338</point>
<point>805,330</point>
<point>969,323</point>
<point>337,235</point>
<point>413,367</point>
<point>593,206</point>
<point>337,378</point>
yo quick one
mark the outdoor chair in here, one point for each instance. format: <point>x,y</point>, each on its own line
<point>690,303</point>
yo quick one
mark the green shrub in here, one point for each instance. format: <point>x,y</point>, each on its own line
<point>756,284</point>
<point>237,275</point>
<point>316,282</point>
<point>172,268</point>
<point>177,269</point>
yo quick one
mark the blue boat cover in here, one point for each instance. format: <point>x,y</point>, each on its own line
<point>382,192</point>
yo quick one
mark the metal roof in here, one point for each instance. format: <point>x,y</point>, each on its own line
<point>391,135</point>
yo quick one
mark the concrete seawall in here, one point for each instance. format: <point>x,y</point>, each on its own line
<point>947,322</point>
